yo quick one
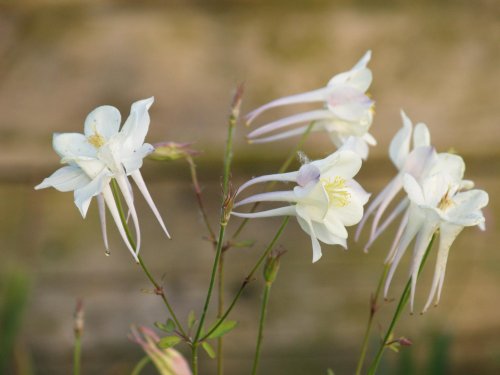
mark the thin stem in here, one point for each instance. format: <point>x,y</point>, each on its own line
<point>373,310</point>
<point>158,289</point>
<point>249,277</point>
<point>262,321</point>
<point>194,358</point>
<point>140,365</point>
<point>397,314</point>
<point>220,311</point>
<point>291,157</point>
<point>77,352</point>
<point>199,200</point>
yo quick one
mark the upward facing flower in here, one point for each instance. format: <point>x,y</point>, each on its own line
<point>102,153</point>
<point>325,200</point>
<point>347,111</point>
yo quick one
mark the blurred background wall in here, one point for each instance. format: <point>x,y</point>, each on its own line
<point>59,59</point>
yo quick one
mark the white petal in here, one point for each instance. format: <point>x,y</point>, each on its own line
<point>291,120</point>
<point>127,194</point>
<point>308,173</point>
<point>397,237</point>
<point>447,235</point>
<point>421,136</point>
<point>466,210</point>
<point>103,121</point>
<point>307,97</point>
<point>110,202</point>
<point>357,145</point>
<point>334,225</point>
<point>343,163</point>
<point>137,124</point>
<point>73,145</point>
<point>450,164</point>
<point>421,244</point>
<point>102,219</point>
<point>400,144</point>
<point>84,195</point>
<point>363,62</point>
<point>282,211</point>
<point>134,161</point>
<point>389,195</point>
<point>291,176</point>
<point>413,189</point>
<point>348,103</point>
<point>306,225</point>
<point>419,161</point>
<point>65,179</point>
<point>324,235</point>
<point>283,135</point>
<point>274,196</point>
<point>137,177</point>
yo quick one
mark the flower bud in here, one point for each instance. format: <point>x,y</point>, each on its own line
<point>272,265</point>
<point>169,151</point>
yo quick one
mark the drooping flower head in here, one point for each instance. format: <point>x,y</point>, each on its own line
<point>325,200</point>
<point>347,111</point>
<point>102,153</point>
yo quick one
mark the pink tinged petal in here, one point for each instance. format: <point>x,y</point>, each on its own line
<point>421,244</point>
<point>376,203</point>
<point>110,202</point>
<point>421,136</point>
<point>102,218</point>
<point>415,223</point>
<point>389,196</point>
<point>277,137</point>
<point>393,215</point>
<point>400,144</point>
<point>397,237</point>
<point>447,235</point>
<point>274,196</point>
<point>103,121</point>
<point>137,177</point>
<point>291,120</point>
<point>308,173</point>
<point>357,145</point>
<point>84,195</point>
<point>419,161</point>
<point>72,145</point>
<point>291,176</point>
<point>282,211</point>
<point>351,75</point>
<point>125,189</point>
<point>349,104</point>
<point>65,179</point>
<point>307,97</point>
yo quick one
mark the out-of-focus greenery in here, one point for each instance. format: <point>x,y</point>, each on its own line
<point>14,289</point>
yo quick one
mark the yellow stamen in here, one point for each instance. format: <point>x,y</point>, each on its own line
<point>445,202</point>
<point>336,190</point>
<point>96,140</point>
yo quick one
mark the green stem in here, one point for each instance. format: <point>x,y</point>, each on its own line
<point>291,157</point>
<point>249,277</point>
<point>373,310</point>
<point>220,311</point>
<point>194,358</point>
<point>140,365</point>
<point>77,352</point>
<point>158,289</point>
<point>263,313</point>
<point>397,314</point>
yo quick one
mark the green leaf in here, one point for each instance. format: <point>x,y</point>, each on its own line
<point>208,348</point>
<point>191,319</point>
<point>224,328</point>
<point>244,243</point>
<point>329,372</point>
<point>169,341</point>
<point>161,326</point>
<point>170,326</point>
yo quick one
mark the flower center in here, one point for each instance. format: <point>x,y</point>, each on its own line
<point>96,140</point>
<point>337,192</point>
<point>446,202</point>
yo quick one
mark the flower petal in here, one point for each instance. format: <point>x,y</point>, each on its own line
<point>103,121</point>
<point>64,179</point>
<point>291,120</point>
<point>137,124</point>
<point>137,177</point>
<point>84,195</point>
<point>283,135</point>
<point>400,144</point>
<point>281,211</point>
<point>72,145</point>
<point>343,163</point>
<point>102,218</point>
<point>413,189</point>
<point>307,97</point>
<point>290,176</point>
<point>306,225</point>
<point>421,136</point>
<point>273,196</point>
<point>124,186</point>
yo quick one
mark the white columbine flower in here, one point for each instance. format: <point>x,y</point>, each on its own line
<point>416,158</point>
<point>325,200</point>
<point>438,202</point>
<point>347,111</point>
<point>102,153</point>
